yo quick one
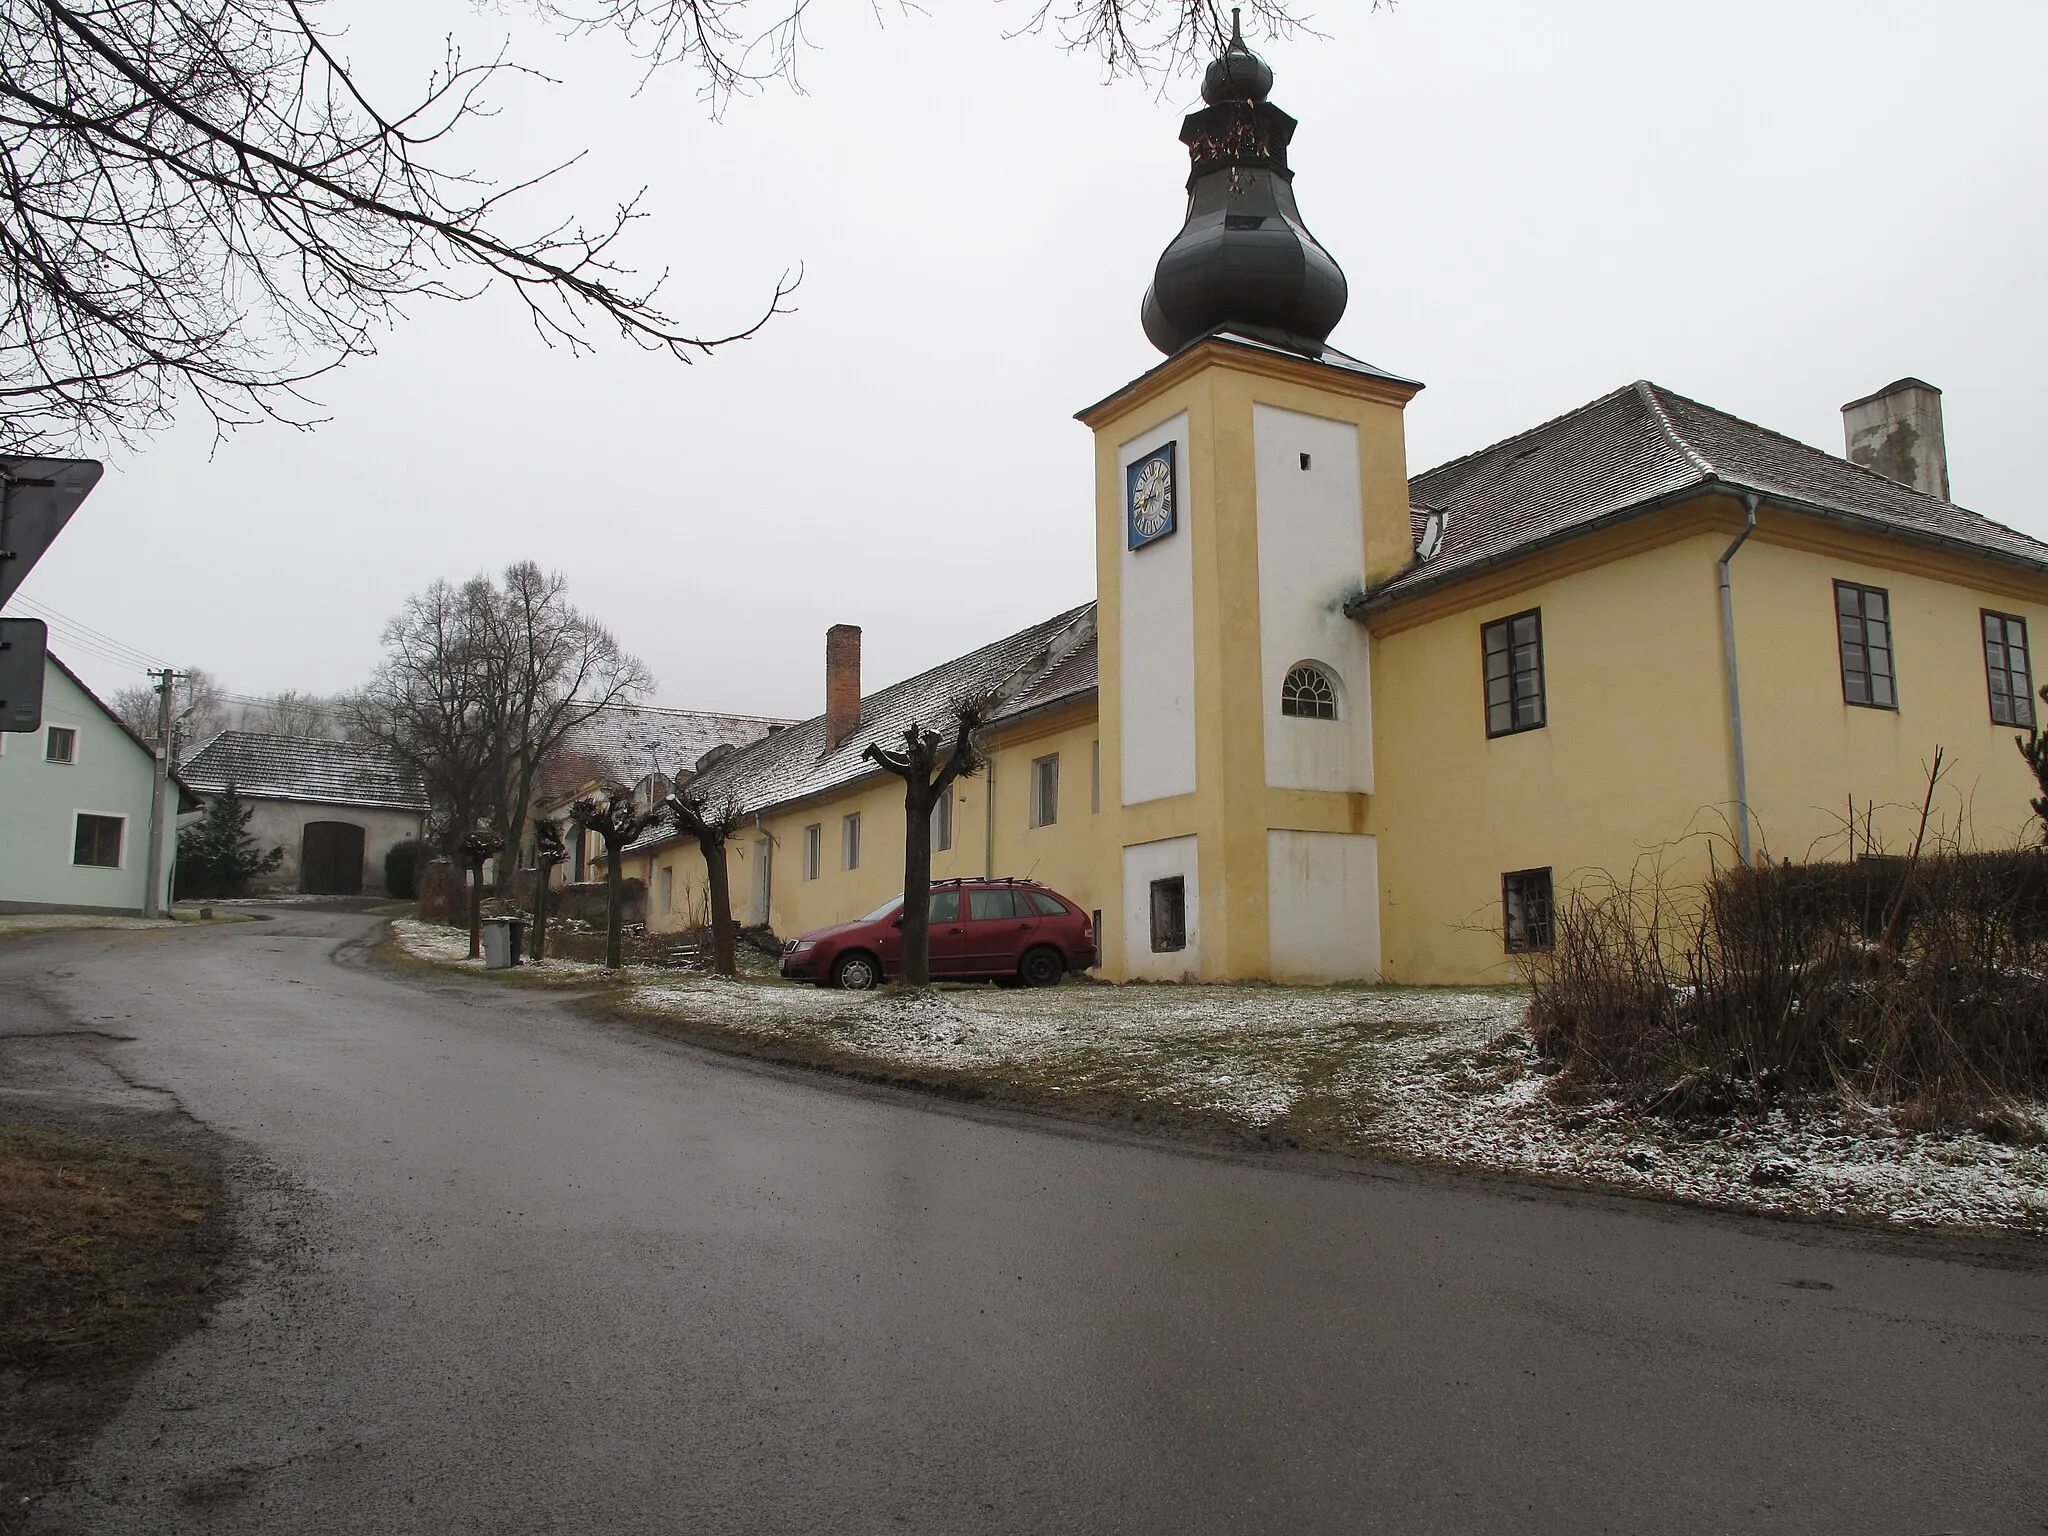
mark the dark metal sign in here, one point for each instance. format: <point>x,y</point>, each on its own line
<point>23,645</point>
<point>37,498</point>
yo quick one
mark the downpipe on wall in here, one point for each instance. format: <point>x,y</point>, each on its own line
<point>1749,504</point>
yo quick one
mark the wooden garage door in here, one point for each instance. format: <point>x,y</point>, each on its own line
<point>331,859</point>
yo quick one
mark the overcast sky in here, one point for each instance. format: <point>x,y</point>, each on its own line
<point>1773,207</point>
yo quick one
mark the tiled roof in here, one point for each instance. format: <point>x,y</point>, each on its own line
<point>292,768</point>
<point>629,741</point>
<point>1050,663</point>
<point>1644,446</point>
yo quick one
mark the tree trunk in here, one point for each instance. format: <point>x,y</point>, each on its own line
<point>613,887</point>
<point>476,909</point>
<point>539,947</point>
<point>718,883</point>
<point>917,881</point>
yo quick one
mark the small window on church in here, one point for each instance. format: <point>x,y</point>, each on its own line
<point>1307,692</point>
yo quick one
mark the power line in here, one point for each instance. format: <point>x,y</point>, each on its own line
<point>81,636</point>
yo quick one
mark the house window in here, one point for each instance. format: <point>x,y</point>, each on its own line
<point>1094,778</point>
<point>1307,693</point>
<point>668,888</point>
<point>98,841</point>
<point>1525,911</point>
<point>1514,673</point>
<point>849,841</point>
<point>814,849</point>
<point>2006,670</point>
<point>1863,620</point>
<point>942,823</point>
<point>1169,915</point>
<point>1045,790</point>
<point>61,746</point>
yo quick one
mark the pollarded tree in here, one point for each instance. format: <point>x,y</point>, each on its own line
<point>477,848</point>
<point>928,766</point>
<point>611,813</point>
<point>548,851</point>
<point>713,826</point>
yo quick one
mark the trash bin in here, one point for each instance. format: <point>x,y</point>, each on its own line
<point>501,941</point>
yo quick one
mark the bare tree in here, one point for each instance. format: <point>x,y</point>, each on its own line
<point>477,848</point>
<point>613,814</point>
<point>303,716</point>
<point>928,772</point>
<point>713,826</point>
<point>432,703</point>
<point>548,851</point>
<point>558,668</point>
<point>198,713</point>
<point>199,195</point>
<point>737,45</point>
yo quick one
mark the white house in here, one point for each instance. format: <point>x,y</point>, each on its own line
<point>74,808</point>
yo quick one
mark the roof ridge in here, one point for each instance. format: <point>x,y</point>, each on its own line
<point>1649,393</point>
<point>1516,437</point>
<point>1861,469</point>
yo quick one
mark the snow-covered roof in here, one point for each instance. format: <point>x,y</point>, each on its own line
<point>293,768</point>
<point>1050,664</point>
<point>1644,446</point>
<point>629,741</point>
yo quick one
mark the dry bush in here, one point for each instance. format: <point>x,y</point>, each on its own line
<point>1919,984</point>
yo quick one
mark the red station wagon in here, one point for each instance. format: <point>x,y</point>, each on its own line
<point>982,930</point>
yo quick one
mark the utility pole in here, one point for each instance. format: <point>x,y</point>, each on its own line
<point>159,801</point>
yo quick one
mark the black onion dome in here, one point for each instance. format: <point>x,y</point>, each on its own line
<point>1243,261</point>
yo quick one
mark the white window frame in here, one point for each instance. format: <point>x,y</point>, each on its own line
<point>120,858</point>
<point>667,883</point>
<point>814,849</point>
<point>1095,777</point>
<point>849,840</point>
<point>1045,790</point>
<point>942,822</point>
<point>61,762</point>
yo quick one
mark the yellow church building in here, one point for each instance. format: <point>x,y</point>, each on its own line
<point>1330,721</point>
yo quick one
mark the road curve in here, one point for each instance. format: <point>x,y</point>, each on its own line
<point>519,1272</point>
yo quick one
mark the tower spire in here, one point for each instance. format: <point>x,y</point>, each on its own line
<point>1243,261</point>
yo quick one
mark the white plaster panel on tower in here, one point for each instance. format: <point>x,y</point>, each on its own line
<point>1323,904</point>
<point>1156,635</point>
<point>1145,866</point>
<point>1311,558</point>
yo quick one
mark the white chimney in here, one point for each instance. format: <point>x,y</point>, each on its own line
<point>1897,432</point>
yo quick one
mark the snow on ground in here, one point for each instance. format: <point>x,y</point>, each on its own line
<point>1440,1076</point>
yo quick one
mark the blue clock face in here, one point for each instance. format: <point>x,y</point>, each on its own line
<point>1150,508</point>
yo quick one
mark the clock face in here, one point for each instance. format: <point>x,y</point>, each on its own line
<point>1150,508</point>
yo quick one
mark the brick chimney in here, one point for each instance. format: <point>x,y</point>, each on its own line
<point>1897,432</point>
<point>842,683</point>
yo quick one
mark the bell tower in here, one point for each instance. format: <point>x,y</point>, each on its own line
<point>1245,488</point>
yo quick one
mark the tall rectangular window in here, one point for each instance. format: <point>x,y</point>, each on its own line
<point>1863,620</point>
<point>1514,672</point>
<point>1169,914</point>
<point>1526,911</point>
<point>1095,778</point>
<point>2006,670</point>
<point>942,822</point>
<point>814,849</point>
<point>61,745</point>
<point>98,841</point>
<point>1045,790</point>
<point>668,889</point>
<point>849,841</point>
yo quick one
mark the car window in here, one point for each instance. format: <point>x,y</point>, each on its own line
<point>1048,906</point>
<point>883,910</point>
<point>945,906</point>
<point>986,904</point>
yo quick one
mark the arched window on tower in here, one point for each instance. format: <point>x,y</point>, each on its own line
<point>1308,693</point>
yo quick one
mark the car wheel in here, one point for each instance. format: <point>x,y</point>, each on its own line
<point>1042,968</point>
<point>856,973</point>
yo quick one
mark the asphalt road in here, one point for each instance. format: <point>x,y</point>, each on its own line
<point>518,1272</point>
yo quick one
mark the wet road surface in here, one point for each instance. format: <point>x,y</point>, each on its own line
<point>514,1271</point>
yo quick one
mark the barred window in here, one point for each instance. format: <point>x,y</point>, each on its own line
<point>2006,670</point>
<point>1514,673</point>
<point>1307,692</point>
<point>1525,911</point>
<point>1863,620</point>
<point>1169,914</point>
